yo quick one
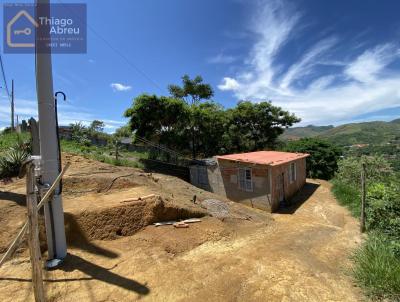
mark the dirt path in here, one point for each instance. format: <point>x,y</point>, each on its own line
<point>300,256</point>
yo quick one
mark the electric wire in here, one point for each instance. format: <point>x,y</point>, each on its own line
<point>3,73</point>
<point>118,52</point>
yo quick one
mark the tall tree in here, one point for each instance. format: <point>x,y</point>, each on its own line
<point>192,91</point>
<point>123,131</point>
<point>256,126</point>
<point>97,126</point>
<point>187,116</point>
<point>210,121</point>
<point>160,119</point>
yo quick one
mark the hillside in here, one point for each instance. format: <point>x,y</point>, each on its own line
<point>308,131</point>
<point>235,253</point>
<point>377,132</point>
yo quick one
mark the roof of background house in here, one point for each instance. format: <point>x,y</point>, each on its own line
<point>272,158</point>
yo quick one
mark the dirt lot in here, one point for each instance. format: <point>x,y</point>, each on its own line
<point>243,254</point>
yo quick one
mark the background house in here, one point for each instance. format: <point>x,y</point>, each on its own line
<point>260,179</point>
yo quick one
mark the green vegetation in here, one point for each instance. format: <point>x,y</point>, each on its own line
<point>373,133</point>
<point>377,261</point>
<point>86,135</point>
<point>190,123</point>
<point>391,153</point>
<point>11,162</point>
<point>296,133</point>
<point>105,154</point>
<point>322,162</point>
<point>349,196</point>
<point>378,169</point>
<point>12,139</point>
<point>377,269</point>
<point>369,138</point>
<point>14,150</point>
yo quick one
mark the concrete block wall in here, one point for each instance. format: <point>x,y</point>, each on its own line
<point>260,197</point>
<point>222,179</point>
<point>289,188</point>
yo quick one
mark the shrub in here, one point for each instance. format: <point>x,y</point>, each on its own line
<point>322,162</point>
<point>11,162</point>
<point>377,269</point>
<point>383,212</point>
<point>377,262</point>
<point>378,169</point>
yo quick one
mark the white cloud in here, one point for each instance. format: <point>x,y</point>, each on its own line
<point>229,84</point>
<point>368,65</point>
<point>120,87</point>
<point>273,25</point>
<point>343,89</point>
<point>222,59</point>
<point>307,62</point>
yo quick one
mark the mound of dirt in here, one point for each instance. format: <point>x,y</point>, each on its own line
<point>125,220</point>
<point>240,254</point>
<point>80,185</point>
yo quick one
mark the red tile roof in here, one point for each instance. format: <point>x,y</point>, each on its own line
<point>272,158</point>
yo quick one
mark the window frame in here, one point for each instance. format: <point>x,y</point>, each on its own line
<point>245,177</point>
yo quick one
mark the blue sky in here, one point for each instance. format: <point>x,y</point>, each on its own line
<point>330,62</point>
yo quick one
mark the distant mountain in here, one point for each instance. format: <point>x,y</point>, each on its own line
<point>349,134</point>
<point>308,131</point>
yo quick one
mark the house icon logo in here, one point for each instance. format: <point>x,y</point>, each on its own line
<point>27,30</point>
<point>44,27</point>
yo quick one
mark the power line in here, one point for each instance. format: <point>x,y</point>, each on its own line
<point>118,52</point>
<point>4,78</point>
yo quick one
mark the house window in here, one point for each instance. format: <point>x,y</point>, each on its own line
<point>202,175</point>
<point>245,181</point>
<point>292,172</point>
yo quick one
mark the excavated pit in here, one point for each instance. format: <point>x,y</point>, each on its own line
<point>124,220</point>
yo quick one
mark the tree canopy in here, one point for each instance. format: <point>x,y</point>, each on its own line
<point>323,160</point>
<point>255,126</point>
<point>174,122</point>
<point>97,126</point>
<point>192,91</point>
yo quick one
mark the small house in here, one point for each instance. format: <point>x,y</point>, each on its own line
<point>262,179</point>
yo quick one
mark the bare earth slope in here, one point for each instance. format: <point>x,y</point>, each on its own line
<point>300,254</point>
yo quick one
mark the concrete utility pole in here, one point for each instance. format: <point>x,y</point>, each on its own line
<point>54,214</point>
<point>12,106</point>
